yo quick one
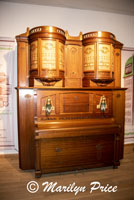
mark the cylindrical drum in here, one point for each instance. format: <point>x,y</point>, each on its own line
<point>46,54</point>
<point>98,58</point>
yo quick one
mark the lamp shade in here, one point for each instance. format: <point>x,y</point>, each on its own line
<point>46,54</point>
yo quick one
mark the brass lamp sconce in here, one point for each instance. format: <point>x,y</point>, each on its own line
<point>103,104</point>
<point>99,58</point>
<point>46,55</point>
<point>48,107</point>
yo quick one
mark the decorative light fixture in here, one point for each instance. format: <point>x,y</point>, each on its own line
<point>99,58</point>
<point>46,55</point>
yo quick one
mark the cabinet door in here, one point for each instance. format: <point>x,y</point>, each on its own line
<point>76,153</point>
<point>73,63</point>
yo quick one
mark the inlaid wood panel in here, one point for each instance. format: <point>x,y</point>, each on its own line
<point>117,68</point>
<point>74,102</point>
<point>48,54</point>
<point>34,55</point>
<point>89,57</point>
<point>78,104</point>
<point>73,63</point>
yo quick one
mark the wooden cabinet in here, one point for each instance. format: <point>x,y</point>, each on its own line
<point>80,148</point>
<point>65,126</point>
<point>76,135</point>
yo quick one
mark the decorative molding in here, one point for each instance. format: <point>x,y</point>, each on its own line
<point>128,49</point>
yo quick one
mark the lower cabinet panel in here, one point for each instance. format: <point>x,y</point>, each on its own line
<point>83,129</point>
<point>74,153</point>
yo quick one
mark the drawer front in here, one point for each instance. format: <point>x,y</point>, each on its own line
<point>76,153</point>
<point>74,102</point>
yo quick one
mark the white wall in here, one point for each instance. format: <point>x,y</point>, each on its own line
<point>132,29</point>
<point>15,18</point>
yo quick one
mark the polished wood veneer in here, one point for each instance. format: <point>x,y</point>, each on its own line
<point>83,138</point>
<point>66,120</point>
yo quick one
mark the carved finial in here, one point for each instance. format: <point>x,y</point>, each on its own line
<point>66,34</point>
<point>76,38</point>
<point>27,31</point>
<point>80,35</point>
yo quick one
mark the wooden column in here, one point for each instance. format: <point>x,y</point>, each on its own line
<point>119,114</point>
<point>117,63</point>
<point>23,59</point>
<point>26,127</point>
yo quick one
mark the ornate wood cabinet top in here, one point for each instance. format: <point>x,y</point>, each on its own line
<point>53,58</point>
